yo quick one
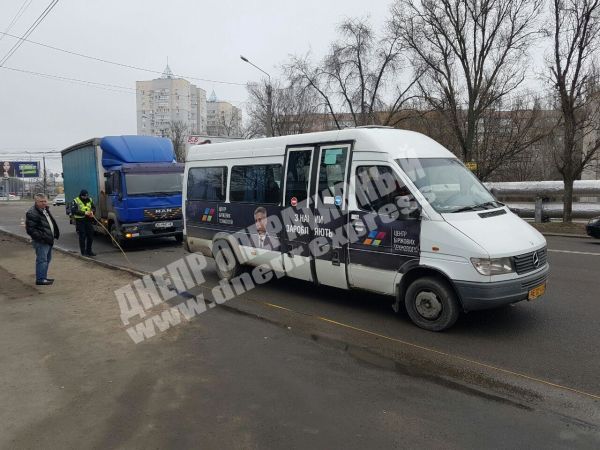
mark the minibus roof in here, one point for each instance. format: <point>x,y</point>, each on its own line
<point>394,142</point>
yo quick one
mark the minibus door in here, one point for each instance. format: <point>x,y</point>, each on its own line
<point>296,213</point>
<point>384,227</point>
<point>330,247</point>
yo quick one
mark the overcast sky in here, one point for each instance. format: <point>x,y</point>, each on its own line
<point>201,39</point>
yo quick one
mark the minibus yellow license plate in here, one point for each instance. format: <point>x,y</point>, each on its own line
<point>537,292</point>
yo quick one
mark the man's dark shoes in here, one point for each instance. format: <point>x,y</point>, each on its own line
<point>44,282</point>
<point>91,254</point>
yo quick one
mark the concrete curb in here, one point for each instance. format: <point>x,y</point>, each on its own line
<point>571,235</point>
<point>134,272</point>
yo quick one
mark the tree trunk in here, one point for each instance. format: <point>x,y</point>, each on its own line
<point>567,172</point>
<point>568,199</point>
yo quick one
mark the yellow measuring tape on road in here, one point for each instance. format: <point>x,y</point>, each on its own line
<point>113,239</point>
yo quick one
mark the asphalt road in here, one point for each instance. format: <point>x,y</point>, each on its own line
<point>72,378</point>
<point>553,340</point>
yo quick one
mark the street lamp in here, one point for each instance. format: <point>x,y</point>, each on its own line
<point>269,97</point>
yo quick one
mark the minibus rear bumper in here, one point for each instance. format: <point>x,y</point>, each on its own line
<point>476,296</point>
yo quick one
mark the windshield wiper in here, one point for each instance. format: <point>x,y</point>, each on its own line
<point>493,204</point>
<point>159,193</point>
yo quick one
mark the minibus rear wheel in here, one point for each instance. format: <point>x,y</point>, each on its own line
<point>227,264</point>
<point>431,303</point>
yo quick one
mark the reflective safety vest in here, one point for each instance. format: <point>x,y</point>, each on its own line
<point>82,207</point>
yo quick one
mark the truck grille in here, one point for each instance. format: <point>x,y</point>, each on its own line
<point>162,213</point>
<point>528,262</point>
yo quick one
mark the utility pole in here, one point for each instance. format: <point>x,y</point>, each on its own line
<point>270,109</point>
<point>269,97</point>
<point>44,180</point>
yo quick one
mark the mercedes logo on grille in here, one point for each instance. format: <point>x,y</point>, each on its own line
<point>536,259</point>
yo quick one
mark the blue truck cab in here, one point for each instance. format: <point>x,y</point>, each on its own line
<point>135,184</point>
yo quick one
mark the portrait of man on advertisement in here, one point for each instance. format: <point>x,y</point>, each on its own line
<point>263,239</point>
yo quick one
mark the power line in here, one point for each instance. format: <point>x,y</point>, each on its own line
<point>114,63</point>
<point>95,84</point>
<point>123,89</point>
<point>14,151</point>
<point>30,30</point>
<point>28,153</point>
<point>18,15</point>
<point>28,148</point>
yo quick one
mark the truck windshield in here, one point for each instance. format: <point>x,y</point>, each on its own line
<point>153,183</point>
<point>448,186</point>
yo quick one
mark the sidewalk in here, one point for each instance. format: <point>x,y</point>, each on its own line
<point>57,342</point>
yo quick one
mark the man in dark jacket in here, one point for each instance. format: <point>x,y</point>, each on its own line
<point>42,228</point>
<point>83,210</point>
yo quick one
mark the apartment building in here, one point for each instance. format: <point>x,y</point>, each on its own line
<point>167,100</point>
<point>223,119</point>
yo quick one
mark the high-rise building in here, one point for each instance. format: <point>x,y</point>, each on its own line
<point>168,100</point>
<point>222,118</point>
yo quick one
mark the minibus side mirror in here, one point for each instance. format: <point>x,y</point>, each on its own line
<point>416,214</point>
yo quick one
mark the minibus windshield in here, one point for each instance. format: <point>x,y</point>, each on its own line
<point>448,186</point>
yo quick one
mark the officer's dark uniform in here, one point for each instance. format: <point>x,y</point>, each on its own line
<point>84,224</point>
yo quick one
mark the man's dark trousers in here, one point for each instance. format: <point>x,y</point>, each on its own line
<point>85,230</point>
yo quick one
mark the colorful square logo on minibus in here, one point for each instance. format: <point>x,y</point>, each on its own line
<point>374,238</point>
<point>208,214</point>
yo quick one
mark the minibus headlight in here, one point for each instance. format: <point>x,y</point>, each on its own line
<point>495,266</point>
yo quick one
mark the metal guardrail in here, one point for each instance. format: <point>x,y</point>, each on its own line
<point>554,210</point>
<point>538,190</point>
<point>581,188</point>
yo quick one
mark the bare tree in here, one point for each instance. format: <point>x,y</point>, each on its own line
<point>360,76</point>
<point>177,131</point>
<point>575,32</point>
<point>229,124</point>
<point>472,55</point>
<point>294,109</point>
<point>507,132</point>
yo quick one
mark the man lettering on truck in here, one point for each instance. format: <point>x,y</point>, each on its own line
<point>83,210</point>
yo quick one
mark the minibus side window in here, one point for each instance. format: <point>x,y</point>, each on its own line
<point>207,183</point>
<point>332,172</point>
<point>378,186</point>
<point>256,184</point>
<point>298,174</point>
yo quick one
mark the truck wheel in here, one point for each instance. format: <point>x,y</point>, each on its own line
<point>227,264</point>
<point>179,238</point>
<point>431,304</point>
<point>114,232</point>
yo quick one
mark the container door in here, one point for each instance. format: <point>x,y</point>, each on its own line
<point>297,213</point>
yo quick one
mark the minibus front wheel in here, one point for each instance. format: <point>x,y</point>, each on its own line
<point>227,264</point>
<point>431,303</point>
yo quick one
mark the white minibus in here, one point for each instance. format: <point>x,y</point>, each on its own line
<point>373,208</point>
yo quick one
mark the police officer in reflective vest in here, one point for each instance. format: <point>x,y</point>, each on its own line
<point>82,210</point>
